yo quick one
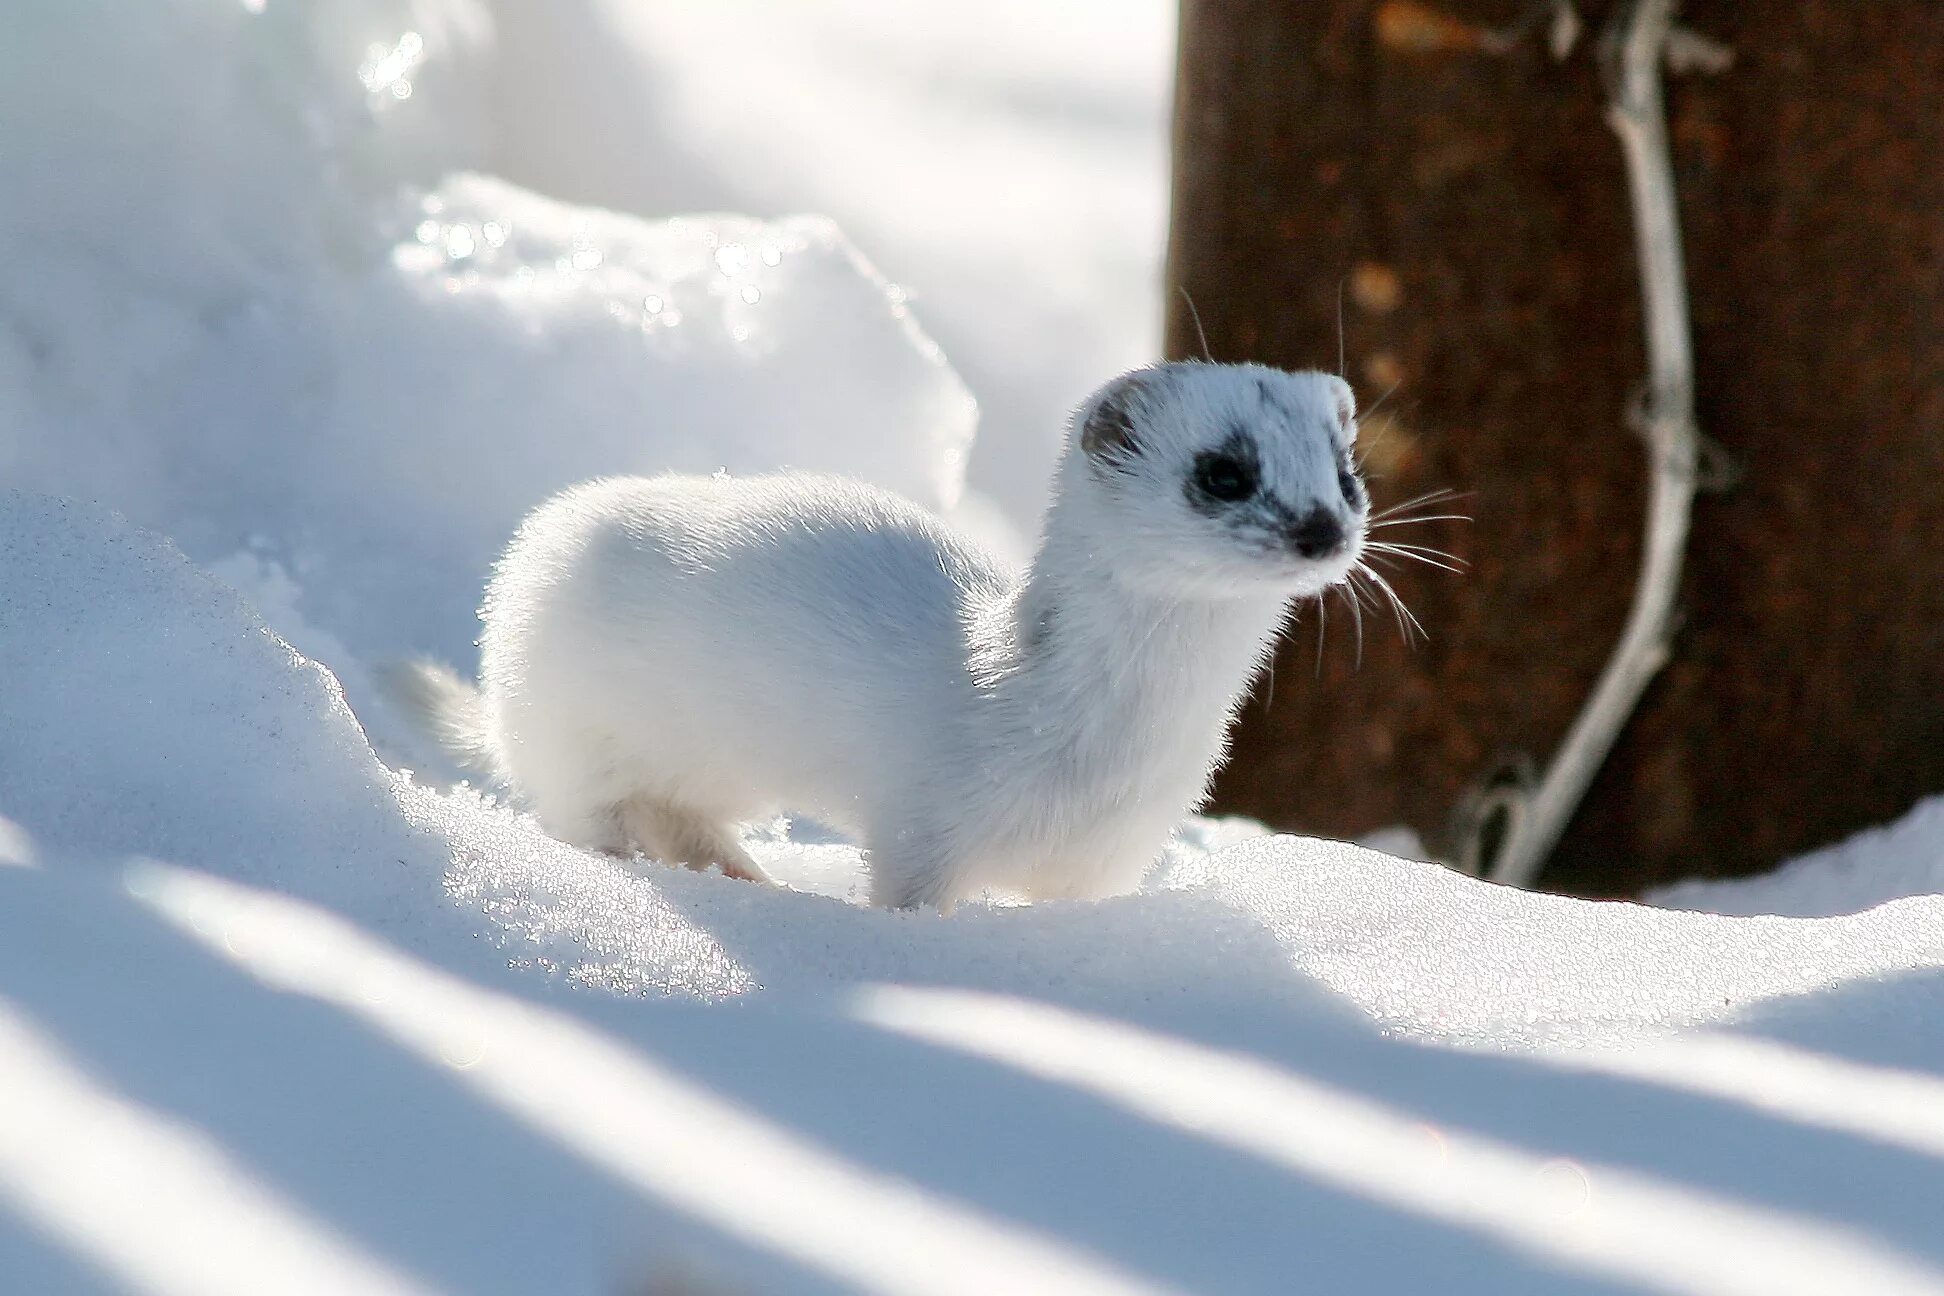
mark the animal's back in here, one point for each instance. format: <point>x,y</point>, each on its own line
<point>742,644</point>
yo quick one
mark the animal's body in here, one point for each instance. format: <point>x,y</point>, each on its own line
<point>667,657</point>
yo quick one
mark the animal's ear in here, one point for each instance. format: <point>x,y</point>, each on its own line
<point>1345,402</point>
<point>1107,432</point>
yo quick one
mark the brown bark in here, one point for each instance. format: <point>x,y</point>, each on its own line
<point>1473,208</point>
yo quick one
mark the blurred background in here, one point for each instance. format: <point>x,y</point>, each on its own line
<point>1005,162</point>
<point>1447,173</point>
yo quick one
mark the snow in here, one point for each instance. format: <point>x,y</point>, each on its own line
<point>343,387</point>
<point>276,1017</point>
<point>1005,161</point>
<point>405,1043</point>
<point>1877,865</point>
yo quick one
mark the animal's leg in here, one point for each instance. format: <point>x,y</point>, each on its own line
<point>675,835</point>
<point>591,827</point>
<point>1076,884</point>
<point>911,869</point>
<point>575,801</point>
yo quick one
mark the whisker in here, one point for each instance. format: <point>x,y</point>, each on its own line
<point>1195,315</point>
<point>1353,601</point>
<point>1356,617</point>
<point>1361,583</point>
<point>1419,553</point>
<point>1379,402</point>
<point>1402,612</point>
<point>1354,590</point>
<point>1322,620</point>
<point>1383,587</point>
<point>1435,493</point>
<point>1399,546</point>
<point>1386,561</point>
<point>1442,495</point>
<point>1368,442</point>
<point>1416,518</point>
<point>1365,573</point>
<point>1340,366</point>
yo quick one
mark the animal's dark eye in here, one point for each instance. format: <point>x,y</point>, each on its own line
<point>1348,484</point>
<point>1224,477</point>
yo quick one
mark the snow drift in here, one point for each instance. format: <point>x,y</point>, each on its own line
<point>269,312</point>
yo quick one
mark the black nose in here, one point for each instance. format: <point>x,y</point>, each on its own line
<point>1315,534</point>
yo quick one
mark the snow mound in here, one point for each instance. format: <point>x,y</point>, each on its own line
<point>1006,161</point>
<point>146,710</point>
<point>1875,866</point>
<point>188,154</point>
<point>271,313</point>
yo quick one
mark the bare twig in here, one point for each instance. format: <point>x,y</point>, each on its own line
<point>1632,50</point>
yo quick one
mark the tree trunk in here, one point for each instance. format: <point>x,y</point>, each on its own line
<point>1468,203</point>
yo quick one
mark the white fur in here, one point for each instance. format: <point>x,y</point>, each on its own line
<point>666,657</point>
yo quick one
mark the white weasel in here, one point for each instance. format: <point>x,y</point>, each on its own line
<point>665,657</point>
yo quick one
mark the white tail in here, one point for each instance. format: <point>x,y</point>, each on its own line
<point>445,708</point>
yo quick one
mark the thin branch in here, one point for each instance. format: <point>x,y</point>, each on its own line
<point>1631,53</point>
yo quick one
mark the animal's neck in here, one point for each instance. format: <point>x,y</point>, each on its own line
<point>1121,678</point>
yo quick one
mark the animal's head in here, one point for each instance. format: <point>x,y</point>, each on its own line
<point>1214,480</point>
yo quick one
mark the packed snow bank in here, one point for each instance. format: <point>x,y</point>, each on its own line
<point>394,1040</point>
<point>145,709</point>
<point>269,312</point>
<point>1905,858</point>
